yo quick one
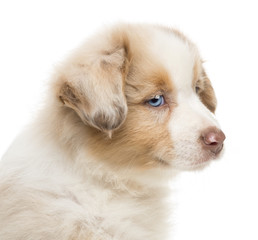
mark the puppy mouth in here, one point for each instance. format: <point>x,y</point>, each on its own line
<point>206,159</point>
<point>200,162</point>
<point>162,162</point>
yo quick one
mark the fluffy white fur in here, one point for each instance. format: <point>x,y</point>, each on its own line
<point>54,187</point>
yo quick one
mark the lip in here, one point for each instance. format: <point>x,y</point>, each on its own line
<point>207,158</point>
<point>162,162</point>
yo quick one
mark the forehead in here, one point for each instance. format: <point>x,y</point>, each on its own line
<point>177,56</point>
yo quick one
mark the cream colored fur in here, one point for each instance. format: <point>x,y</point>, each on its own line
<point>68,177</point>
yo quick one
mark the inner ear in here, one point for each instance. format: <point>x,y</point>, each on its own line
<point>71,97</point>
<point>68,94</point>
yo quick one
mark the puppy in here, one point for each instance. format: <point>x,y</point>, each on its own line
<point>125,112</point>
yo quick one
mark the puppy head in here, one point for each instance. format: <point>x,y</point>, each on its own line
<point>147,85</point>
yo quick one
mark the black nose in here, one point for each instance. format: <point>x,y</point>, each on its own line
<point>212,139</point>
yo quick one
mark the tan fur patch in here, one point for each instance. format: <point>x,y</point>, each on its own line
<point>203,84</point>
<point>145,131</point>
<point>208,96</point>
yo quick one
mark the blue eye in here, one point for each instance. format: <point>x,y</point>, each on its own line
<point>157,101</point>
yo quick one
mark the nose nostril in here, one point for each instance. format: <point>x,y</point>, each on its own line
<point>211,138</point>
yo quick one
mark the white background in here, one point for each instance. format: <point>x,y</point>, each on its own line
<point>217,203</point>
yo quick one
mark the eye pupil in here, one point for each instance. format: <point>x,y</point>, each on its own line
<point>154,100</point>
<point>157,101</point>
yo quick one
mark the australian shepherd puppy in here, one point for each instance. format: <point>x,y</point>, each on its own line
<point>125,112</point>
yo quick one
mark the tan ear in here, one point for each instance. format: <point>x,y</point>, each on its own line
<point>208,95</point>
<point>94,88</point>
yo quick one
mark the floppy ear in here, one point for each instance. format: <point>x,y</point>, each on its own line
<point>208,95</point>
<point>94,88</point>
